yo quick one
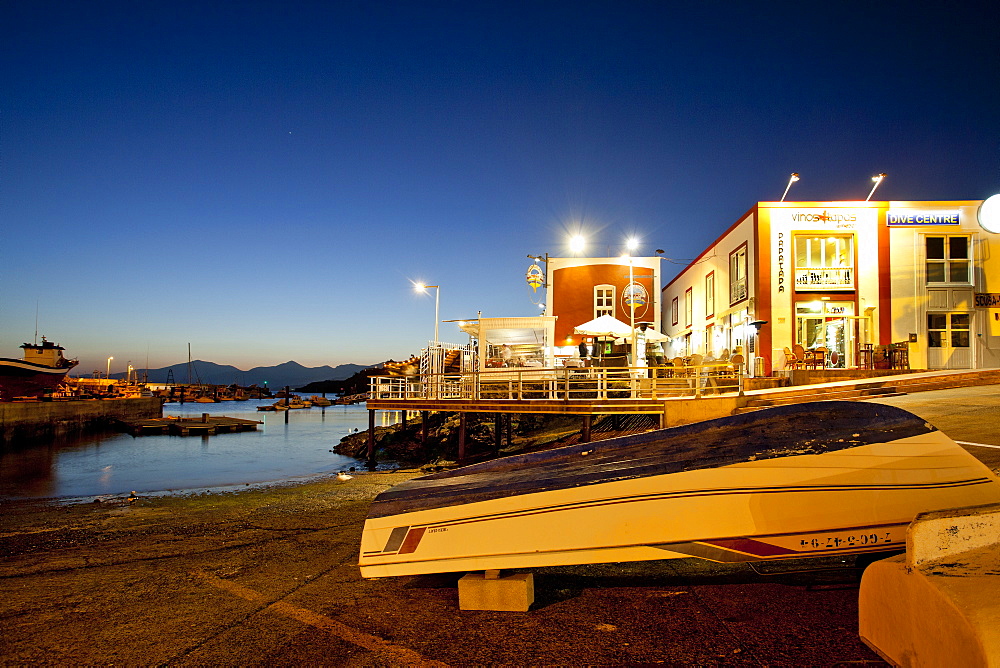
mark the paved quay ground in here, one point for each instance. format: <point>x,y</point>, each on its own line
<point>269,577</point>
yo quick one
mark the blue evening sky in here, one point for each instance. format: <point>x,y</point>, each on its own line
<point>263,180</point>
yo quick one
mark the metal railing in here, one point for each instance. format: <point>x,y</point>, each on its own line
<point>583,384</point>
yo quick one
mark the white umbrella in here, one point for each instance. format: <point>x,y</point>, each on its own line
<point>605,325</point>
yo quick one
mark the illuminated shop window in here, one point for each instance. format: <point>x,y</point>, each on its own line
<point>738,275</point>
<point>948,260</point>
<point>604,300</point>
<point>824,262</point>
<point>948,330</point>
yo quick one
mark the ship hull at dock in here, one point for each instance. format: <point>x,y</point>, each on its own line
<point>27,379</point>
<point>809,480</point>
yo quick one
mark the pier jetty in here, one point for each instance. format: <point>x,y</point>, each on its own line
<point>183,426</point>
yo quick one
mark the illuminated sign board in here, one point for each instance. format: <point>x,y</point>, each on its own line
<point>825,218</point>
<point>910,217</point>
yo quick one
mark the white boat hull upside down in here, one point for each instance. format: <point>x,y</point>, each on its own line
<point>807,480</point>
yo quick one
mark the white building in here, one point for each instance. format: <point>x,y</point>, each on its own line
<point>842,276</point>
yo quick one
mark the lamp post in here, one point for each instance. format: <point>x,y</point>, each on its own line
<point>108,374</point>
<point>792,179</point>
<point>420,287</point>
<point>878,179</point>
<point>631,245</point>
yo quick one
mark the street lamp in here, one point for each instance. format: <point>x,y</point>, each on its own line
<point>631,244</point>
<point>576,243</point>
<point>108,374</point>
<point>878,179</point>
<point>420,287</point>
<point>792,179</point>
<point>128,376</point>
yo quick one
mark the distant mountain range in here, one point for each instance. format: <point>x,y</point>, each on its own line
<point>275,377</point>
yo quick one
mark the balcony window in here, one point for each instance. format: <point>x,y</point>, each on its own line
<point>738,275</point>
<point>710,295</point>
<point>824,262</point>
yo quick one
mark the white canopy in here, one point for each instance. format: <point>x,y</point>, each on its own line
<point>605,325</point>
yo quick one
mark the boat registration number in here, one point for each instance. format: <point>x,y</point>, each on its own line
<point>840,541</point>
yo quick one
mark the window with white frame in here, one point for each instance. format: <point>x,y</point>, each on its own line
<point>688,307</point>
<point>948,330</point>
<point>604,300</point>
<point>948,259</point>
<point>673,311</point>
<point>738,275</point>
<point>710,295</point>
<point>824,262</point>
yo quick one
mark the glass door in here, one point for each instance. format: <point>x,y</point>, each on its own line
<point>949,341</point>
<point>828,325</point>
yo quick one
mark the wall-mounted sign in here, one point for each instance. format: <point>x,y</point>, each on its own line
<point>635,297</point>
<point>825,218</point>
<point>534,277</point>
<point>987,300</point>
<point>914,217</point>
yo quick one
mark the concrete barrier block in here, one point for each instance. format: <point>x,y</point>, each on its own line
<point>937,605</point>
<point>940,534</point>
<point>491,591</point>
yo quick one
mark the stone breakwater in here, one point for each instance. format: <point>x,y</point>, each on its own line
<point>30,421</point>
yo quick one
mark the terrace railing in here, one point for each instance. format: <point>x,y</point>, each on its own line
<point>586,384</point>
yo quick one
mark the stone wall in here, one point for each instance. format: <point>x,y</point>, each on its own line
<point>34,420</point>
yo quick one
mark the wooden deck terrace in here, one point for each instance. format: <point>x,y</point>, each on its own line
<point>580,391</point>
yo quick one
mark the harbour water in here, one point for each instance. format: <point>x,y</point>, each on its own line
<point>289,445</point>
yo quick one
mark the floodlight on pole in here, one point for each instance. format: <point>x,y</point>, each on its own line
<point>792,179</point>
<point>420,287</point>
<point>878,179</point>
<point>576,243</point>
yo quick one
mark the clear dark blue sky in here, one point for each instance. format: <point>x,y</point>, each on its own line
<point>264,179</point>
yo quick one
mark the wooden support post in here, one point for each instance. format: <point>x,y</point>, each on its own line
<point>585,432</point>
<point>371,438</point>
<point>461,437</point>
<point>509,420</point>
<point>404,420</point>
<point>497,431</point>
<point>424,415</point>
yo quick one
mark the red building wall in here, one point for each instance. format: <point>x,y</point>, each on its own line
<point>573,295</point>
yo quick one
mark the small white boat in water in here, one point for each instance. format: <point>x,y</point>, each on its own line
<point>806,480</point>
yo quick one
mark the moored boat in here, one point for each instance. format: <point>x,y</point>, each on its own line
<point>40,371</point>
<point>816,479</point>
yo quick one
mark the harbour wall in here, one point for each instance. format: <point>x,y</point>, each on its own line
<point>30,421</point>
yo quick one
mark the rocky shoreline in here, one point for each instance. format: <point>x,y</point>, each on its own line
<point>529,433</point>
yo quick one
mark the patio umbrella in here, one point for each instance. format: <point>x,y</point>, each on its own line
<point>605,325</point>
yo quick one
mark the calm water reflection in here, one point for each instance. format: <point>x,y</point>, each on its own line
<point>289,445</point>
